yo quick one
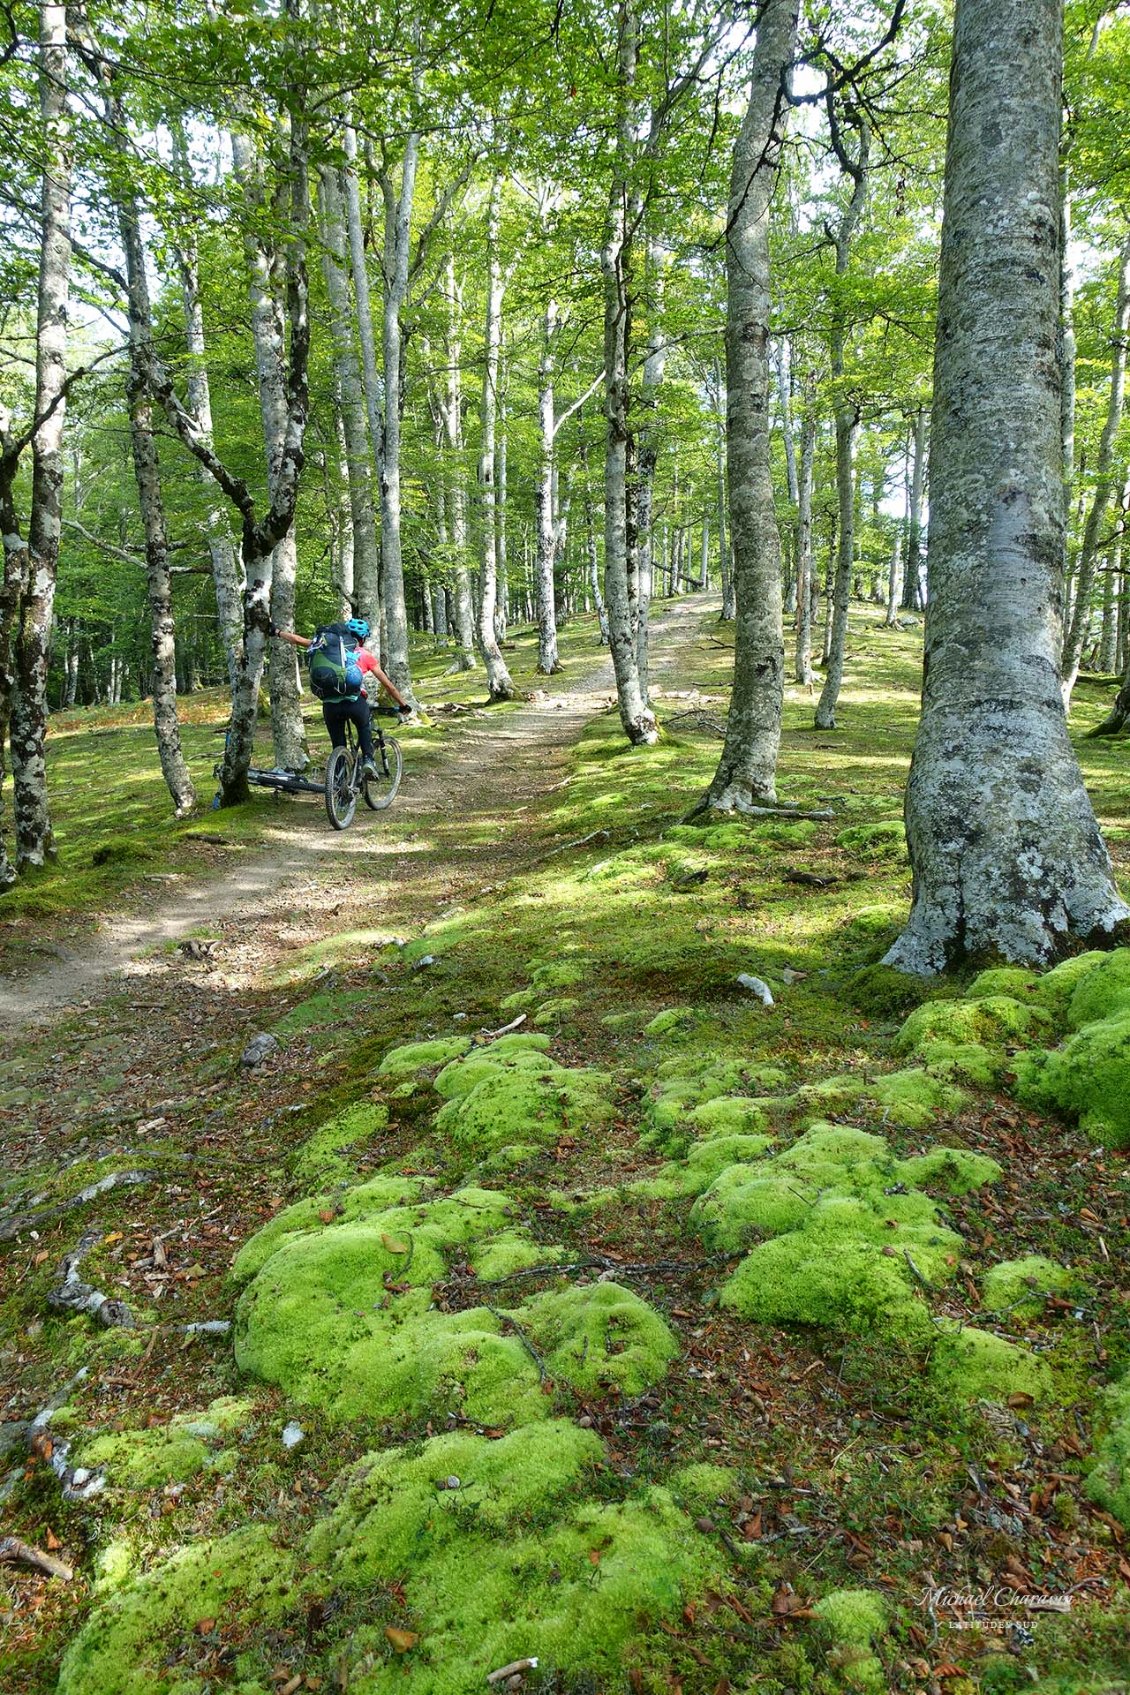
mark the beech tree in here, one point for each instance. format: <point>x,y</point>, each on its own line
<point>1007,857</point>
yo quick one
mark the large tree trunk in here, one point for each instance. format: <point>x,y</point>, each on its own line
<point>147,472</point>
<point>499,684</point>
<point>269,335</point>
<point>1116,718</point>
<point>1104,484</point>
<point>12,586</point>
<point>28,730</point>
<point>746,774</point>
<point>351,401</point>
<point>227,570</point>
<point>647,458</point>
<point>1007,857</point>
<point>398,215</point>
<point>847,427</point>
<point>621,540</point>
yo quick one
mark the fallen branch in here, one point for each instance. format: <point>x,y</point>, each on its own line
<point>512,1324</point>
<point>582,841</point>
<point>79,1484</point>
<point>514,1669</point>
<point>206,1327</point>
<point>701,721</point>
<point>22,1221</point>
<point>14,1552</point>
<point>506,1028</point>
<point>70,1294</point>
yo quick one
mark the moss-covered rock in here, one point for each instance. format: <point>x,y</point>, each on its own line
<point>964,1062</point>
<point>362,1201</point>
<point>515,1560</point>
<point>992,1021</point>
<point>728,1115</point>
<point>1109,1481</point>
<point>1020,1285</point>
<point>886,993</point>
<point>599,1337</point>
<point>974,1365</point>
<point>854,1621</point>
<point>685,1082</point>
<point>527,1103</point>
<point>955,1171</point>
<point>1087,1078</point>
<point>671,1018</point>
<point>411,1057</point>
<point>526,1052</point>
<point>1102,992</point>
<point>136,1641</point>
<point>886,840</point>
<point>851,1286</point>
<point>554,1012</point>
<point>1010,980</point>
<point>911,1099</point>
<point>1054,990</point>
<point>168,1453</point>
<point>324,1158</point>
<point>705,1161</point>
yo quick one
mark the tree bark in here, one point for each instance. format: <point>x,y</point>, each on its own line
<point>499,683</point>
<point>548,661</point>
<point>451,405</point>
<point>12,586</point>
<point>397,232</point>
<point>351,400</point>
<point>1116,718</point>
<point>269,335</point>
<point>647,457</point>
<point>35,842</point>
<point>1104,484</point>
<point>1007,858</point>
<point>621,541</point>
<point>147,472</point>
<point>847,421</point>
<point>227,572</point>
<point>806,598</point>
<point>913,598</point>
<point>746,774</point>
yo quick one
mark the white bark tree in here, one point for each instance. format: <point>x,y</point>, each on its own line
<point>746,776</point>
<point>1007,857</point>
<point>500,686</point>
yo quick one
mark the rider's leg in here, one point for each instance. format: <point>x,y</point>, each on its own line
<point>334,718</point>
<point>359,711</point>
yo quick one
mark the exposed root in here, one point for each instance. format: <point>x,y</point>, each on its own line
<point>70,1294</point>
<point>22,1221</point>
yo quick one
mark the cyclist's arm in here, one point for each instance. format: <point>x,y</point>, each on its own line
<point>370,664</point>
<point>289,636</point>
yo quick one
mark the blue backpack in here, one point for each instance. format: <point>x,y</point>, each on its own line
<point>334,673</point>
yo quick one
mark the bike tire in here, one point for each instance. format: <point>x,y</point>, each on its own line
<point>380,791</point>
<point>341,796</point>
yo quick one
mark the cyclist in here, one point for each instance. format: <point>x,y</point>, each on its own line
<point>339,710</point>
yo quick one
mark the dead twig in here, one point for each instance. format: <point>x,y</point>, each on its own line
<point>14,1552</point>
<point>509,1323</point>
<point>22,1221</point>
<point>70,1294</point>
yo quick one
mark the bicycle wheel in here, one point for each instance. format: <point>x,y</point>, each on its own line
<point>380,791</point>
<point>341,796</point>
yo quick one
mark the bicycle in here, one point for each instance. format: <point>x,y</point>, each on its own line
<point>346,779</point>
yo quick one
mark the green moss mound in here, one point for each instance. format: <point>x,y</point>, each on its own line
<point>324,1158</point>
<point>1019,1285</point>
<point>911,1099</point>
<point>704,1163</point>
<point>854,1620</point>
<point>1055,988</point>
<point>407,1060</point>
<point>974,1365</point>
<point>171,1453</point>
<point>121,850</point>
<point>955,1171</point>
<point>135,1642</point>
<point>1087,1078</point>
<point>728,1115</point>
<point>885,993</point>
<point>874,841</point>
<point>327,1009</point>
<point>992,1021</point>
<point>342,1318</point>
<point>512,1562</point>
<point>1102,992</point>
<point>532,1099</point>
<point>1108,1484</point>
<point>363,1201</point>
<point>685,1082</point>
<point>855,1288</point>
<point>1010,980</point>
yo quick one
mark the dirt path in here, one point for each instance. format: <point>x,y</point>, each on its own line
<point>491,766</point>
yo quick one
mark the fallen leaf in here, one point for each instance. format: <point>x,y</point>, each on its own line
<point>401,1640</point>
<point>114,1236</point>
<point>1021,1398</point>
<point>204,1626</point>
<point>393,1244</point>
<point>326,1215</point>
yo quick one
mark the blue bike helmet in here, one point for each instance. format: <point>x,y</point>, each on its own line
<point>358,627</point>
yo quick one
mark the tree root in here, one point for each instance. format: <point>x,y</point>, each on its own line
<point>21,1221</point>
<point>15,1552</point>
<point>72,1295</point>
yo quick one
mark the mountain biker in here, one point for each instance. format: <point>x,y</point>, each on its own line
<point>338,711</point>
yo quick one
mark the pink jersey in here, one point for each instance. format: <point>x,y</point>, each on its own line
<point>365,664</point>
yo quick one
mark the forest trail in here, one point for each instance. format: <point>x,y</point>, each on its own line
<point>490,766</point>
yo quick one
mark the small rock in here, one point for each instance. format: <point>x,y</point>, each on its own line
<point>459,1015</point>
<point>424,961</point>
<point>292,1435</point>
<point>757,986</point>
<point>448,1483</point>
<point>258,1049</point>
<point>706,1525</point>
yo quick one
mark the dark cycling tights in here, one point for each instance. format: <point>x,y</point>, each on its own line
<point>337,712</point>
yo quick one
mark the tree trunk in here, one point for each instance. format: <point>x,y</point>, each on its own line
<point>350,394</point>
<point>12,587</point>
<point>227,572</point>
<point>806,598</point>
<point>1104,484</point>
<point>1116,718</point>
<point>451,407</point>
<point>647,457</point>
<point>548,661</point>
<point>28,726</point>
<point>912,596</point>
<point>499,684</point>
<point>847,426</point>
<point>269,335</point>
<point>894,582</point>
<point>621,544</point>
<point>501,605</point>
<point>397,232</point>
<point>1007,857</point>
<point>746,774</point>
<point>147,472</point>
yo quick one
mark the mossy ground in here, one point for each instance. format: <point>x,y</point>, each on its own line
<point>763,1502</point>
